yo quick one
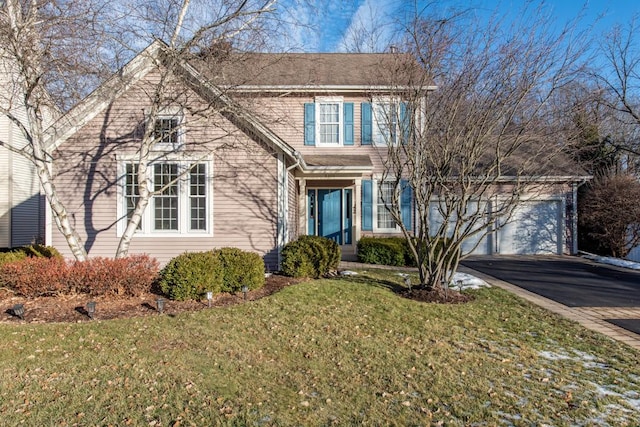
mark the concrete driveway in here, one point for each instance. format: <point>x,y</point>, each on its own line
<point>612,293</point>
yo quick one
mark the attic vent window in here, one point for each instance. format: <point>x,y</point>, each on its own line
<point>168,130</point>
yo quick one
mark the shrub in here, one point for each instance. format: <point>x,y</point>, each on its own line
<point>12,256</point>
<point>190,275</point>
<point>383,250</point>
<point>240,268</point>
<point>35,277</point>
<point>296,261</point>
<point>130,276</point>
<point>310,256</point>
<point>40,251</point>
<point>331,248</point>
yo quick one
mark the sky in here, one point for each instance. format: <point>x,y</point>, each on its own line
<point>331,24</point>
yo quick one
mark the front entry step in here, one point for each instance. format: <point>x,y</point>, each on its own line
<point>349,252</point>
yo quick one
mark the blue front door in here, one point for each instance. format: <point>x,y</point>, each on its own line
<point>330,214</point>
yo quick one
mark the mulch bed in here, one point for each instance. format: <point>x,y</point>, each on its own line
<point>437,295</point>
<point>71,308</point>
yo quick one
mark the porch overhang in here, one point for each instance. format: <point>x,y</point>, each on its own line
<point>335,167</point>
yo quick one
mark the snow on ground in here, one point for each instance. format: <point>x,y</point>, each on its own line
<point>614,261</point>
<point>463,281</point>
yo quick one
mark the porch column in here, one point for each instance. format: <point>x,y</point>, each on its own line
<point>357,208</point>
<point>302,208</point>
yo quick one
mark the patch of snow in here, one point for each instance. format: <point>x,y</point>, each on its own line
<point>348,273</point>
<point>550,355</point>
<point>464,281</point>
<point>614,261</point>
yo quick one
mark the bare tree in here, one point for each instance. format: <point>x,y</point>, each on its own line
<point>611,213</point>
<point>619,79</point>
<point>44,59</point>
<point>52,55</point>
<point>479,126</point>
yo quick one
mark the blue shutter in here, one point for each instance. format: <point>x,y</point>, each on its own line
<point>309,123</point>
<point>367,123</point>
<point>405,123</point>
<point>405,203</point>
<point>347,111</point>
<point>367,205</point>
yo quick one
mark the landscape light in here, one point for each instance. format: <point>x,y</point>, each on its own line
<point>209,297</point>
<point>407,282</point>
<point>160,305</point>
<point>91,309</point>
<point>18,310</point>
<point>245,289</point>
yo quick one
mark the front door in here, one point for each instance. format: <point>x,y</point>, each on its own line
<point>329,214</point>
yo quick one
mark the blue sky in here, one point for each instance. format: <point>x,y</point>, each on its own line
<point>332,23</point>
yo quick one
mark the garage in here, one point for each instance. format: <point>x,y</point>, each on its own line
<point>534,229</point>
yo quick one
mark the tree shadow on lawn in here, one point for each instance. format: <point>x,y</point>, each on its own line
<point>437,295</point>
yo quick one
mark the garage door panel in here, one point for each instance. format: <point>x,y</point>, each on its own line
<point>476,244</point>
<point>534,228</point>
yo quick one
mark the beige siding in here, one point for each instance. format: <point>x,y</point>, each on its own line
<point>5,212</point>
<point>244,182</point>
<point>293,207</point>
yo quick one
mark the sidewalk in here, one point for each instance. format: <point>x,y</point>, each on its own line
<point>589,317</point>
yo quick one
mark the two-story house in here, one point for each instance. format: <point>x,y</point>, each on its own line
<point>252,153</point>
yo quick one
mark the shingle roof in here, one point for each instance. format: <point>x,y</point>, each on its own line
<point>311,69</point>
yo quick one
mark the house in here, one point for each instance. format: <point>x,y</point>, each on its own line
<point>252,153</point>
<point>22,213</point>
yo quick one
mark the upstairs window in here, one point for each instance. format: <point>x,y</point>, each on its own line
<point>385,122</point>
<point>328,122</point>
<point>168,130</point>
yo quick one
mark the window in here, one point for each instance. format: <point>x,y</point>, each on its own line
<point>386,123</point>
<point>384,218</point>
<point>385,129</point>
<point>168,131</point>
<point>329,116</point>
<point>181,202</point>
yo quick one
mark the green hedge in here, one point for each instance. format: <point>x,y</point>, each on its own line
<point>389,251</point>
<point>240,268</point>
<point>310,256</point>
<point>191,275</point>
<point>383,250</point>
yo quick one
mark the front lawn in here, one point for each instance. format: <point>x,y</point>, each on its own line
<point>340,351</point>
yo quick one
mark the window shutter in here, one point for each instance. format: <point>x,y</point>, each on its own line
<point>405,203</point>
<point>367,205</point>
<point>309,123</point>
<point>367,123</point>
<point>405,123</point>
<point>348,122</point>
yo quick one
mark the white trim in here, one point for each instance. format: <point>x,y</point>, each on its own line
<point>319,100</point>
<point>184,215</point>
<point>283,196</point>
<point>169,113</point>
<point>379,139</point>
<point>325,88</point>
<point>374,208</point>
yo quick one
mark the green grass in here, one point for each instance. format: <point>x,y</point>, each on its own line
<point>343,352</point>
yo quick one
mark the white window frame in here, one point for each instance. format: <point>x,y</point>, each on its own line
<point>375,207</point>
<point>321,100</point>
<point>169,114</point>
<point>147,226</point>
<point>379,137</point>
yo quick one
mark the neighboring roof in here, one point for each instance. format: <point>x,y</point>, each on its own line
<point>313,70</point>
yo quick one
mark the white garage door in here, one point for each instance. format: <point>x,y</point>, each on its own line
<point>476,244</point>
<point>535,228</point>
